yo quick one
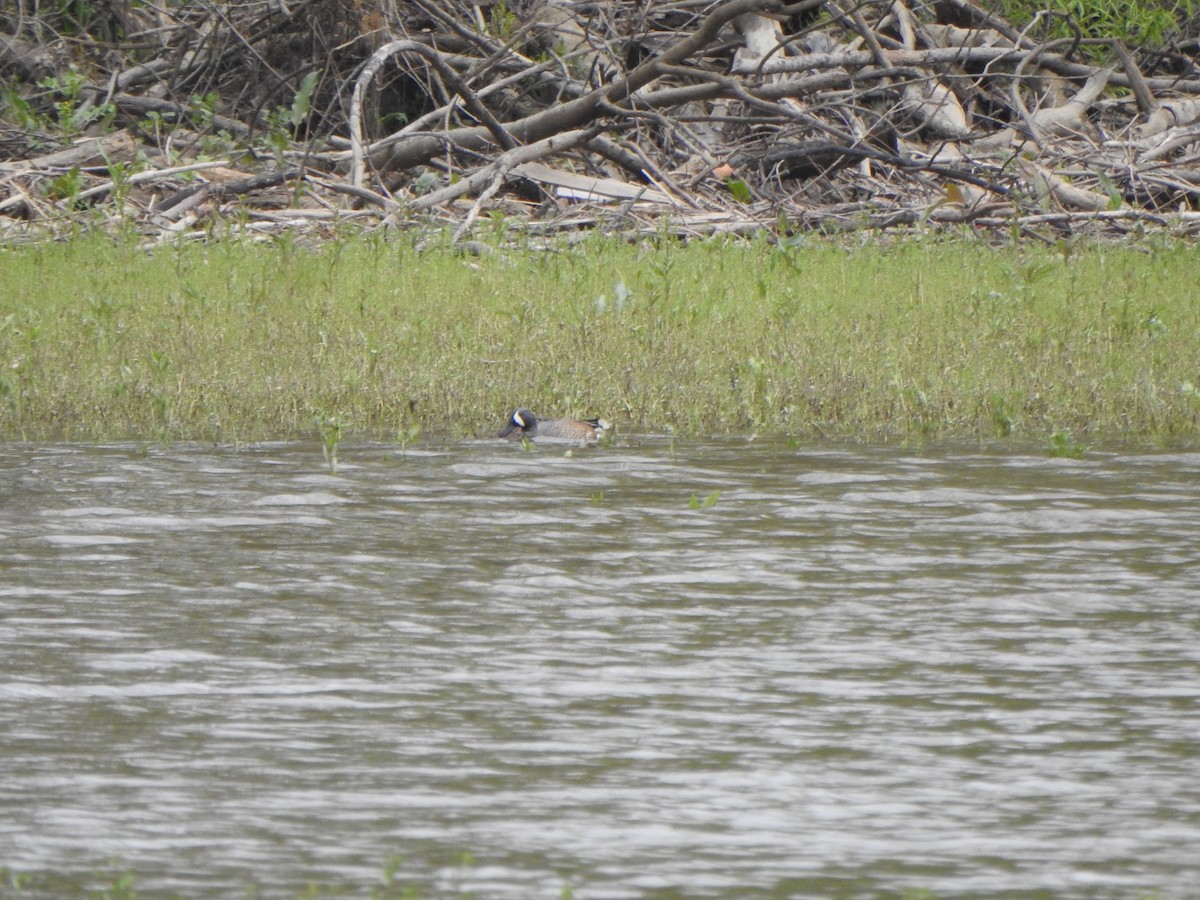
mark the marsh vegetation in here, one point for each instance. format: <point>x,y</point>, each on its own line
<point>923,339</point>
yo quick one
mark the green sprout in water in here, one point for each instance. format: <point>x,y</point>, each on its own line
<point>706,503</point>
<point>407,433</point>
<point>331,436</point>
<point>1064,446</point>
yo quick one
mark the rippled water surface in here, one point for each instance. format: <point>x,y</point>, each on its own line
<point>857,672</point>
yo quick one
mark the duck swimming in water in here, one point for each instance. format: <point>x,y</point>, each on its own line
<point>524,424</point>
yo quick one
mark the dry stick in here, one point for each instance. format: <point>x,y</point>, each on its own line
<point>221,191</point>
<point>1113,215</point>
<point>451,23</point>
<point>386,203</point>
<point>1029,58</point>
<point>935,58</point>
<point>639,165</point>
<point>813,152</point>
<point>247,41</point>
<point>629,161</point>
<point>707,32</point>
<point>496,53</point>
<point>505,162</point>
<point>32,62</point>
<point>731,88</point>
<point>150,71</point>
<point>939,57</point>
<point>88,153</point>
<point>577,113</point>
<point>533,70</point>
<point>1171,141</point>
<point>180,204</point>
<point>682,134</point>
<point>983,19</point>
<point>864,31</point>
<point>143,105</point>
<point>473,213</point>
<point>177,68</point>
<point>621,214</point>
<point>727,87</point>
<point>1137,82</point>
<point>1177,185</point>
<point>18,197</point>
<point>378,58</point>
<point>659,99</point>
<point>155,175</point>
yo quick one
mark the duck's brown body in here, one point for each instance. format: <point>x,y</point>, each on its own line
<point>524,424</point>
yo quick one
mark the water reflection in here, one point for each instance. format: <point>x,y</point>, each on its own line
<point>859,671</point>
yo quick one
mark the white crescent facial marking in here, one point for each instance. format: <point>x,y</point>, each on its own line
<point>517,418</point>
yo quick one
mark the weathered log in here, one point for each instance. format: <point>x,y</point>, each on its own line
<point>30,60</point>
<point>88,153</point>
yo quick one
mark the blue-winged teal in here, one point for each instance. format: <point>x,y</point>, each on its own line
<point>524,424</point>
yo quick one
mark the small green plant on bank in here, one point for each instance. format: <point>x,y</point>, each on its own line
<point>17,110</point>
<point>120,173</point>
<point>502,22</point>
<point>285,122</point>
<point>73,110</point>
<point>739,190</point>
<point>65,187</point>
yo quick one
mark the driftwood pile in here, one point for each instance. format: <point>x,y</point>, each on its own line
<point>677,116</point>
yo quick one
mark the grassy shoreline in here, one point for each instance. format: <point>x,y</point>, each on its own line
<point>922,339</point>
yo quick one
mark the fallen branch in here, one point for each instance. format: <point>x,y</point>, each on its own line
<point>477,180</point>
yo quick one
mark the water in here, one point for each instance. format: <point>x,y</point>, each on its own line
<point>859,672</point>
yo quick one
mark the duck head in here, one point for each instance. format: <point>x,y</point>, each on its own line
<point>519,424</point>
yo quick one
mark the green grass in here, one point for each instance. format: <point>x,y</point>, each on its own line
<point>366,337</point>
<point>1146,24</point>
